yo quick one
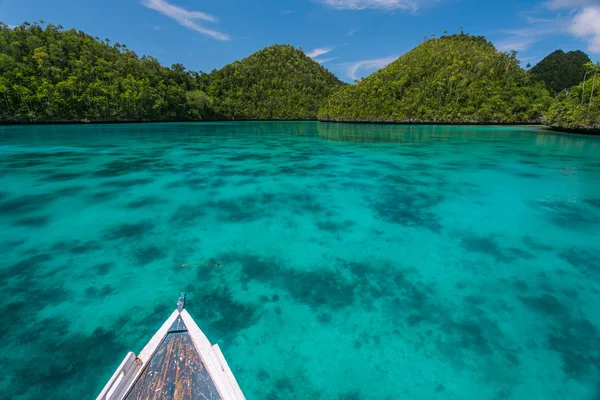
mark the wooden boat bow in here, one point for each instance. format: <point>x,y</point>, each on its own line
<point>179,363</point>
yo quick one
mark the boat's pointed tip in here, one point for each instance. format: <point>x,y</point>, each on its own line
<point>181,302</point>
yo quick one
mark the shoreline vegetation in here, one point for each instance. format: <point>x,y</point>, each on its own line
<point>49,75</point>
<point>358,122</point>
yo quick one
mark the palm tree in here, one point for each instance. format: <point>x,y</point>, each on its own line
<point>593,68</point>
<point>583,87</point>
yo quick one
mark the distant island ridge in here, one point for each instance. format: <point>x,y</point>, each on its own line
<point>52,75</point>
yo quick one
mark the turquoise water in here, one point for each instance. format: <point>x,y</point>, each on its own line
<point>358,261</point>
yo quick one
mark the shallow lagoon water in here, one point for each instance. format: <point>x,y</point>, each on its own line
<point>358,261</point>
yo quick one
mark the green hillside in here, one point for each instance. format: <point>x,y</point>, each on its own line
<point>453,79</point>
<point>278,82</point>
<point>55,75</point>
<point>48,74</point>
<point>560,70</point>
<point>579,107</point>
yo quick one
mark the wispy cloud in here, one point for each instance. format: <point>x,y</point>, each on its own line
<point>558,4</point>
<point>351,32</point>
<point>536,29</point>
<point>158,28</point>
<point>537,20</point>
<point>353,68</point>
<point>318,52</point>
<point>515,43</point>
<point>387,5</point>
<point>324,60</point>
<point>523,38</point>
<point>578,18</point>
<point>287,12</point>
<point>530,58</point>
<point>186,18</point>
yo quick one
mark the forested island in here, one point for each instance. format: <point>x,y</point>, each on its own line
<point>51,75</point>
<point>278,82</point>
<point>453,79</point>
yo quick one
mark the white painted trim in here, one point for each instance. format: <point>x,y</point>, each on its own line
<point>132,367</point>
<point>116,385</point>
<point>147,353</point>
<point>214,361</point>
<point>117,377</point>
<point>150,348</point>
<point>220,358</point>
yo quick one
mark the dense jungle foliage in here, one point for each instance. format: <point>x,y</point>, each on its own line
<point>579,107</point>
<point>453,79</point>
<point>560,70</point>
<point>48,74</point>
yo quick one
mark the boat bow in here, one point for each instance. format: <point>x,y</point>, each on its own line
<point>179,362</point>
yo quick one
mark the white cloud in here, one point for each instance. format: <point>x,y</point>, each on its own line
<point>185,17</point>
<point>287,12</point>
<point>375,64</point>
<point>585,20</point>
<point>351,32</point>
<point>387,5</point>
<point>586,25</point>
<point>158,28</point>
<point>318,52</point>
<point>324,60</point>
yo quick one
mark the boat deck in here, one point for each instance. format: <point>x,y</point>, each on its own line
<point>175,371</point>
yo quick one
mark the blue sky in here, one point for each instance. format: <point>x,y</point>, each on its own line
<point>352,38</point>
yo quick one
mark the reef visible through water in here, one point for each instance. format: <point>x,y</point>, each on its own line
<point>328,261</point>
